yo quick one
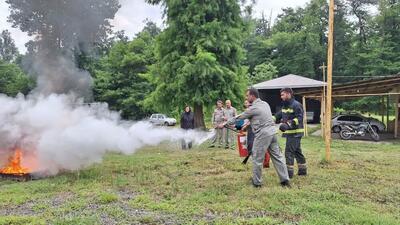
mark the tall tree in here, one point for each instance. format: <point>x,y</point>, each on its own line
<point>344,34</point>
<point>13,80</point>
<point>263,72</point>
<point>359,8</point>
<point>8,50</point>
<point>263,26</point>
<point>200,55</point>
<point>61,24</point>
<point>120,79</point>
<point>383,52</point>
<point>61,30</point>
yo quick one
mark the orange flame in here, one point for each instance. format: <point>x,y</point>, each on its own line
<point>14,164</point>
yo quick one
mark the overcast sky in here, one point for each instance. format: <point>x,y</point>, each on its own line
<point>133,12</point>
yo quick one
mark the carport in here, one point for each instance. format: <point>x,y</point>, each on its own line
<point>270,92</point>
<point>388,87</point>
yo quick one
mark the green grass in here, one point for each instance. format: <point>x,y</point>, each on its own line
<point>361,185</point>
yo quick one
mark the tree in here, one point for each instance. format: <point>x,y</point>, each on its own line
<point>263,26</point>
<point>344,33</point>
<point>290,20</point>
<point>8,50</point>
<point>62,30</point>
<point>13,80</point>
<point>199,56</point>
<point>359,8</point>
<point>263,72</point>
<point>60,24</point>
<point>120,79</point>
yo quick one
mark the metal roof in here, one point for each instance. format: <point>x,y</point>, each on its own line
<point>291,81</point>
<point>370,86</point>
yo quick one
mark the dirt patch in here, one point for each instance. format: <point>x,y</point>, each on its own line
<point>28,208</point>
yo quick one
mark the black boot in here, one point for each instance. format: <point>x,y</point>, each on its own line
<point>290,171</point>
<point>302,170</point>
<point>286,184</point>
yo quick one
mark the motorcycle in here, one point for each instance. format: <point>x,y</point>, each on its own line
<point>347,131</point>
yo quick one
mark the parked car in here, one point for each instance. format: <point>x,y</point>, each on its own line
<point>162,120</point>
<point>354,119</point>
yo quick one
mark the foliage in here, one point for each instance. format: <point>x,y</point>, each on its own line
<point>46,18</point>
<point>263,72</point>
<point>8,50</point>
<point>199,56</point>
<point>119,80</point>
<point>13,80</point>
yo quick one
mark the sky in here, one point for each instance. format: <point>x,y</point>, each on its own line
<point>132,14</point>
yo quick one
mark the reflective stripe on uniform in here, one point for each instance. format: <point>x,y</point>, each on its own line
<point>274,118</point>
<point>287,110</point>
<point>294,131</point>
<point>296,121</point>
<point>302,165</point>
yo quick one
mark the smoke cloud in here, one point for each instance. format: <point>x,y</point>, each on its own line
<point>53,126</point>
<point>60,132</point>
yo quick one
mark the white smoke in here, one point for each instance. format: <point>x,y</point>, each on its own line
<point>62,133</point>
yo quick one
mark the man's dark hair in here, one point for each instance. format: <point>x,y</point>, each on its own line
<point>254,92</point>
<point>287,90</point>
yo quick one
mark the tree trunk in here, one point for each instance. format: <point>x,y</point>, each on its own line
<point>199,116</point>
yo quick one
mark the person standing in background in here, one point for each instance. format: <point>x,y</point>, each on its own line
<point>230,112</point>
<point>218,119</point>
<point>187,123</point>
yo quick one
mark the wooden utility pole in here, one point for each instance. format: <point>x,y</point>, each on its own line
<point>387,112</point>
<point>329,83</point>
<point>323,100</point>
<point>396,121</point>
<point>305,117</point>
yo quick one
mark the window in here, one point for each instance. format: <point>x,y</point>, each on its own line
<point>356,118</point>
<point>350,118</point>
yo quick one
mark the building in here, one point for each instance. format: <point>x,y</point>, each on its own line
<point>270,92</point>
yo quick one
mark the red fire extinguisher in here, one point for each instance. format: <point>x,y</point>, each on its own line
<point>243,152</point>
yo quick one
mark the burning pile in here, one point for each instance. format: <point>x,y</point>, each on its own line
<point>14,166</point>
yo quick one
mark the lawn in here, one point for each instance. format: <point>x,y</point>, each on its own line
<point>164,185</point>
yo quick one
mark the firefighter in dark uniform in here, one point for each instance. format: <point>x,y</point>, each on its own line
<point>291,119</point>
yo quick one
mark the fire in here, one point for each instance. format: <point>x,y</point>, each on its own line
<point>14,164</point>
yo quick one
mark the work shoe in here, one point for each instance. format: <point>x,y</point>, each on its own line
<point>302,170</point>
<point>290,173</point>
<point>286,184</point>
<point>254,184</point>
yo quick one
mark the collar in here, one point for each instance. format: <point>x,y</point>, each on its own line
<point>257,100</point>
<point>289,102</point>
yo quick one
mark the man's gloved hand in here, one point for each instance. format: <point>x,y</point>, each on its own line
<point>288,125</point>
<point>284,127</point>
<point>291,124</point>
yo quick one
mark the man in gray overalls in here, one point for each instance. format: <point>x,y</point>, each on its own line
<point>218,119</point>
<point>263,125</point>
<point>230,112</point>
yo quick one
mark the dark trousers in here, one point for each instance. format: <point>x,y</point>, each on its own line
<point>250,139</point>
<point>293,151</point>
